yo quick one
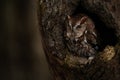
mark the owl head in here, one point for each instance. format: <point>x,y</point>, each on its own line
<point>78,26</point>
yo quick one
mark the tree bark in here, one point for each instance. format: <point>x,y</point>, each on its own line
<point>105,13</point>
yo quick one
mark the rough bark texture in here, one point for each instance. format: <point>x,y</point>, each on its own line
<point>105,13</point>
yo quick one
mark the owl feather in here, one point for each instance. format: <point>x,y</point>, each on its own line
<point>81,35</point>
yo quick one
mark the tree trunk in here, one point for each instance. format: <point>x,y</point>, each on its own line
<point>21,53</point>
<point>105,14</point>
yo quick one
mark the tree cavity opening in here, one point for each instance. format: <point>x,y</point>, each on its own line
<point>107,35</point>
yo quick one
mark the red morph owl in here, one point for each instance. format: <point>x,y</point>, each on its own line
<point>81,36</point>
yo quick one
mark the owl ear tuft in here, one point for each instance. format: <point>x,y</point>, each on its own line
<point>68,17</point>
<point>83,19</point>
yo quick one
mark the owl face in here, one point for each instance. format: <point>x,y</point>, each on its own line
<point>76,28</point>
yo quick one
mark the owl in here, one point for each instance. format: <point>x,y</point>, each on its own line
<point>81,36</point>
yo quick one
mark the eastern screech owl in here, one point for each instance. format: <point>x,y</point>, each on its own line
<point>81,36</point>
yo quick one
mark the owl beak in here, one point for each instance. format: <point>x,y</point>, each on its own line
<point>76,40</point>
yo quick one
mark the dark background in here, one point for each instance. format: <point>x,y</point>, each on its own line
<point>21,53</point>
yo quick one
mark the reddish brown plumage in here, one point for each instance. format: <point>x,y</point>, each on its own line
<point>81,35</point>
